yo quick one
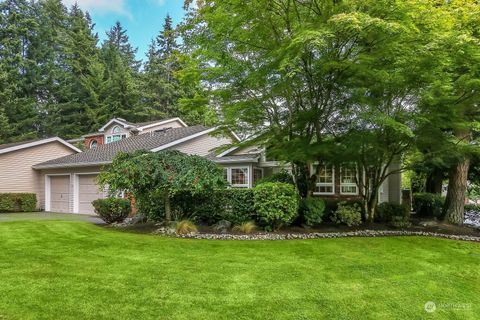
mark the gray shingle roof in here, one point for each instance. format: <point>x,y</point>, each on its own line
<point>14,144</point>
<point>104,154</point>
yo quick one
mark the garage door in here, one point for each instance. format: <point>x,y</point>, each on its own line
<point>88,191</point>
<point>60,194</point>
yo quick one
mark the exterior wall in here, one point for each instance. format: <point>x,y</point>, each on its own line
<point>202,145</point>
<point>88,140</point>
<point>68,171</point>
<point>246,150</point>
<point>173,124</point>
<point>16,173</point>
<point>109,129</point>
<point>395,184</point>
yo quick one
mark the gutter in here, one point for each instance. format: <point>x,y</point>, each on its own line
<point>69,165</point>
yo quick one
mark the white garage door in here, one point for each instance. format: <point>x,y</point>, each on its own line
<point>60,193</point>
<point>88,191</point>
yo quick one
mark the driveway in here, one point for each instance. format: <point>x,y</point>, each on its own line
<point>49,216</point>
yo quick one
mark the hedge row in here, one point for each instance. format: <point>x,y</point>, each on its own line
<point>18,202</point>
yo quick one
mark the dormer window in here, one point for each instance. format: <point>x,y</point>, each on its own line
<point>93,144</point>
<point>116,135</point>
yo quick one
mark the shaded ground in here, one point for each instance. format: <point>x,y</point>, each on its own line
<point>51,269</point>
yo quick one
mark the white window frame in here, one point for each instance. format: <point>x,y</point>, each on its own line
<point>348,184</point>
<point>229,176</point>
<point>324,184</point>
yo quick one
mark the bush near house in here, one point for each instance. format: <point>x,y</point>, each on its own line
<point>233,205</point>
<point>331,206</point>
<point>18,202</point>
<point>112,209</point>
<point>348,214</point>
<point>311,211</point>
<point>282,176</point>
<point>397,215</point>
<point>276,204</point>
<point>428,204</point>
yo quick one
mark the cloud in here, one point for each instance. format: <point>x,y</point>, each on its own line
<point>117,6</point>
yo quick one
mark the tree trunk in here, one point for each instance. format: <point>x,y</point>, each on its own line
<point>168,210</point>
<point>457,186</point>
<point>371,206</point>
<point>434,182</point>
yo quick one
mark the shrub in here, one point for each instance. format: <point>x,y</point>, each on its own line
<point>234,205</point>
<point>185,227</point>
<point>428,204</point>
<point>246,227</point>
<point>312,210</point>
<point>276,204</point>
<point>351,215</point>
<point>282,176</point>
<point>397,215</point>
<point>472,207</point>
<point>112,209</point>
<point>18,202</point>
<point>331,206</point>
<point>387,211</point>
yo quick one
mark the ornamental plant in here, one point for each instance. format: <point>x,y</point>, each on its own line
<point>276,204</point>
<point>153,178</point>
<point>351,215</point>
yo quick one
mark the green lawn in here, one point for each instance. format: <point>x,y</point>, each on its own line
<point>76,270</point>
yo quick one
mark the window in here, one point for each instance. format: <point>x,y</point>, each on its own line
<point>257,175</point>
<point>116,135</point>
<point>237,177</point>
<point>348,180</point>
<point>325,179</point>
<point>93,144</point>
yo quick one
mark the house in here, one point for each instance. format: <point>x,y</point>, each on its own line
<point>65,179</point>
<point>17,159</point>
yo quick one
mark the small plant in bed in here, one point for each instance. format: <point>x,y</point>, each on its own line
<point>185,227</point>
<point>246,227</point>
<point>351,215</point>
<point>312,211</point>
<point>112,209</point>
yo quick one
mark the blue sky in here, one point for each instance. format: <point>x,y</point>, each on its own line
<point>142,18</point>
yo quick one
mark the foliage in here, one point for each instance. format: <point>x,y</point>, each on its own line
<point>397,215</point>
<point>153,178</point>
<point>185,227</point>
<point>428,204</point>
<point>331,205</point>
<point>282,176</point>
<point>472,207</point>
<point>351,215</point>
<point>312,210</point>
<point>235,205</point>
<point>276,204</point>
<point>18,202</point>
<point>245,227</point>
<point>112,209</point>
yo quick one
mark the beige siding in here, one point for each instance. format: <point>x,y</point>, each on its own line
<point>202,145</point>
<point>247,150</point>
<point>109,129</point>
<point>395,185</point>
<point>71,172</point>
<point>16,173</point>
<point>172,124</point>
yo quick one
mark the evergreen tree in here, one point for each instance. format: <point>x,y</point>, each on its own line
<point>117,37</point>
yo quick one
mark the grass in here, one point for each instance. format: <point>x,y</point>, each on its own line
<point>75,270</point>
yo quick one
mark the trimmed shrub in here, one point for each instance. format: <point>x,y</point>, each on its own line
<point>185,227</point>
<point>472,207</point>
<point>331,206</point>
<point>234,205</point>
<point>428,204</point>
<point>112,209</point>
<point>397,215</point>
<point>282,176</point>
<point>18,202</point>
<point>312,210</point>
<point>276,204</point>
<point>351,215</point>
<point>246,227</point>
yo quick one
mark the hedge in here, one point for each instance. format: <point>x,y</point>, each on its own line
<point>112,209</point>
<point>428,204</point>
<point>18,202</point>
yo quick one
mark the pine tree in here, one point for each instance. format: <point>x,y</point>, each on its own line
<point>118,38</point>
<point>162,90</point>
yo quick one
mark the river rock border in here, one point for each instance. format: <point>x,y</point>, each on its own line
<point>320,235</point>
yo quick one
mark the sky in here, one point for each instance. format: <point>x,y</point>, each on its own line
<point>143,19</point>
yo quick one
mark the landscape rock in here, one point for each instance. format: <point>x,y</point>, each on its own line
<point>472,218</point>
